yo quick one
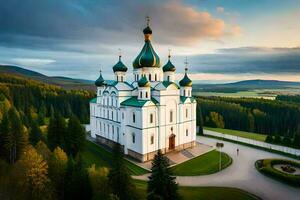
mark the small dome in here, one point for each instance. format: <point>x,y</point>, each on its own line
<point>147,30</point>
<point>119,67</point>
<point>100,81</point>
<point>169,67</point>
<point>186,81</point>
<point>143,82</point>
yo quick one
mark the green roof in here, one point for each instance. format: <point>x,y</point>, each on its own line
<point>135,102</point>
<point>143,82</point>
<point>167,83</point>
<point>119,67</point>
<point>169,67</point>
<point>186,81</point>
<point>147,57</point>
<point>94,100</point>
<point>183,99</point>
<point>100,81</point>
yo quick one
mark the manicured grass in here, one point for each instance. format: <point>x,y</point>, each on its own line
<point>265,167</point>
<point>205,193</point>
<point>202,165</point>
<point>94,154</point>
<point>243,134</point>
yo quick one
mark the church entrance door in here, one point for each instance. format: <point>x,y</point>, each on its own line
<point>172,142</point>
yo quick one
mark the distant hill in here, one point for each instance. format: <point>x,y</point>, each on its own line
<point>246,85</point>
<point>64,82</point>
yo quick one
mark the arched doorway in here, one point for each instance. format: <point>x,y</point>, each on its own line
<point>172,142</point>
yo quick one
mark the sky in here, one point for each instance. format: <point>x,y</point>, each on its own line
<point>223,40</point>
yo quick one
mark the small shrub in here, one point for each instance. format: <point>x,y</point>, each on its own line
<point>269,139</point>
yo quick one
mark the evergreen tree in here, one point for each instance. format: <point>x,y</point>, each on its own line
<point>161,184</point>
<point>75,137</point>
<point>119,177</point>
<point>43,150</point>
<point>57,171</point>
<point>78,185</point>
<point>99,181</point>
<point>14,135</point>
<point>35,134</point>
<point>56,132</point>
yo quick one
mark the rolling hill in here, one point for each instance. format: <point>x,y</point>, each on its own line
<point>64,82</point>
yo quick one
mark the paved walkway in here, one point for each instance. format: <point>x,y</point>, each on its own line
<point>242,174</point>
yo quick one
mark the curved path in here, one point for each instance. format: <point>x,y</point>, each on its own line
<point>241,174</point>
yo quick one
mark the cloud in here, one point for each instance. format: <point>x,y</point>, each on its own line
<point>98,26</point>
<point>248,60</point>
<point>31,61</point>
<point>220,9</point>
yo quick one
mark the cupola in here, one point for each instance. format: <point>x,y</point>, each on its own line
<point>120,70</point>
<point>185,84</point>
<point>144,88</point>
<point>169,70</point>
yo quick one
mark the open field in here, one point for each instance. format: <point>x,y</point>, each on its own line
<point>94,154</point>
<point>258,93</point>
<point>243,134</point>
<point>207,193</point>
<point>203,165</point>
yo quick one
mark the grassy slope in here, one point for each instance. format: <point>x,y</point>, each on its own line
<point>94,154</point>
<point>202,165</point>
<point>243,134</point>
<point>207,193</point>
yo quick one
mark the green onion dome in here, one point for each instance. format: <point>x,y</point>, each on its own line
<point>143,82</point>
<point>169,67</point>
<point>186,81</point>
<point>119,67</point>
<point>147,57</point>
<point>100,81</point>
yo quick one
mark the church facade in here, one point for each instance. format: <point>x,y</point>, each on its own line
<point>149,114</point>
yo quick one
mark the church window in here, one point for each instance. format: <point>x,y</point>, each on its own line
<point>186,113</point>
<point>189,93</point>
<point>112,115</point>
<point>137,77</point>
<point>169,78</point>
<point>107,114</point>
<point>152,139</point>
<point>118,134</point>
<point>146,94</point>
<point>122,115</point>
<point>113,132</point>
<point>122,79</point>
<point>183,92</point>
<point>116,102</point>
<point>133,138</point>
<point>133,117</point>
<point>155,77</point>
<point>186,132</point>
<point>151,118</point>
<point>171,116</point>
<point>149,77</point>
<point>141,95</point>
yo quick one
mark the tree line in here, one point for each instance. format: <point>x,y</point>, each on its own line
<point>31,97</point>
<point>272,117</point>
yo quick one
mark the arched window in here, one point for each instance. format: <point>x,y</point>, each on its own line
<point>137,77</point>
<point>171,116</point>
<point>133,117</point>
<point>149,77</point>
<point>133,138</point>
<point>151,118</point>
<point>183,92</point>
<point>146,94</point>
<point>155,76</point>
<point>122,78</point>
<point>112,115</point>
<point>152,139</point>
<point>169,78</point>
<point>186,113</point>
<point>141,95</point>
<point>118,134</point>
<point>186,132</point>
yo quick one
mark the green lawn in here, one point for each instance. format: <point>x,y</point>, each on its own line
<point>94,154</point>
<point>202,165</point>
<point>207,193</point>
<point>243,134</point>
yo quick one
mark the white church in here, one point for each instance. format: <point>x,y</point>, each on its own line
<point>149,114</point>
